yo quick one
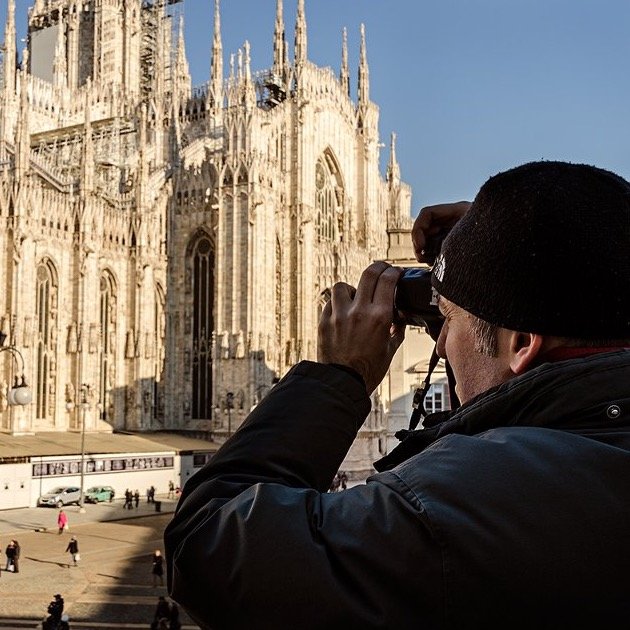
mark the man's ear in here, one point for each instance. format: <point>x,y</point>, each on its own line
<point>524,349</point>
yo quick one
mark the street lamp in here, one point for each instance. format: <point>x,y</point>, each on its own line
<point>85,404</point>
<point>20,393</point>
<point>229,405</point>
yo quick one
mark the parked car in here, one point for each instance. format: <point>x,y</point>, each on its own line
<point>96,494</point>
<point>60,496</point>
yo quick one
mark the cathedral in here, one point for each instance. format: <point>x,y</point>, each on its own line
<point>168,248</point>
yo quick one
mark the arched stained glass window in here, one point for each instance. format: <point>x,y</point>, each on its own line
<point>45,287</point>
<point>159,332</point>
<point>202,261</point>
<point>328,198</point>
<point>107,347</point>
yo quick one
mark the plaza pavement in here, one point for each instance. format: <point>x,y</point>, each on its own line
<point>111,587</point>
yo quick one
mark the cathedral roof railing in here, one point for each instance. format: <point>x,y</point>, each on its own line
<point>58,109</point>
<point>45,171</point>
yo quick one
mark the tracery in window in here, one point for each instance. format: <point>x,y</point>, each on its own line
<point>46,300</point>
<point>107,347</point>
<point>202,262</point>
<point>159,332</point>
<point>329,198</point>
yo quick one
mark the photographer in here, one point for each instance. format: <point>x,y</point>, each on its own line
<point>55,614</point>
<point>512,511</point>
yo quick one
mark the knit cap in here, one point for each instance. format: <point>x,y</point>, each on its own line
<point>544,248</point>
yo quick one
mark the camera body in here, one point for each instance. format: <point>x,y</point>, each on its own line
<point>415,301</point>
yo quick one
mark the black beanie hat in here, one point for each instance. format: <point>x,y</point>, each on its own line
<point>544,248</point>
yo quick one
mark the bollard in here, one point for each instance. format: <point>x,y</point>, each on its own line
<point>158,506</point>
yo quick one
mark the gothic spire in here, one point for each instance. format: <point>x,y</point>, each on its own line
<point>10,49</point>
<point>344,75</point>
<point>182,70</point>
<point>393,168</point>
<point>87,154</point>
<point>364,73</point>
<point>278,42</point>
<point>300,35</point>
<point>231,83</point>
<point>23,132</point>
<point>182,62</point>
<point>250,90</point>
<point>216,70</point>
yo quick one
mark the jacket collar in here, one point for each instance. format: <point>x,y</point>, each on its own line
<point>563,395</point>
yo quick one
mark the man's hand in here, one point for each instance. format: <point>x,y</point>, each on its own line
<point>433,219</point>
<point>356,328</point>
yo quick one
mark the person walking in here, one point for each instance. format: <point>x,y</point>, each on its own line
<point>13,554</point>
<point>62,521</point>
<point>16,556</point>
<point>73,549</point>
<point>157,569</point>
<point>152,494</point>
<point>10,554</point>
<point>171,490</point>
<point>136,498</point>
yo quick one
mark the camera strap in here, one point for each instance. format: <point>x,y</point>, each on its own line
<point>419,412</point>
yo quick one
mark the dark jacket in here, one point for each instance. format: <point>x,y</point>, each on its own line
<point>73,546</point>
<point>158,565</point>
<point>513,513</point>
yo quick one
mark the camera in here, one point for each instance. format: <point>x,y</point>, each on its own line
<point>415,301</point>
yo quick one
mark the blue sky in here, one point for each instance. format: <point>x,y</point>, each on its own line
<point>471,87</point>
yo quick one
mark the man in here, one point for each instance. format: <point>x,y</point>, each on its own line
<point>512,511</point>
<point>73,549</point>
<point>55,612</point>
<point>13,556</point>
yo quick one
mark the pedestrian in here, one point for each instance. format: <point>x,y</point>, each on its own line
<point>16,557</point>
<point>62,521</point>
<point>343,477</point>
<point>152,494</point>
<point>10,554</point>
<point>136,498</point>
<point>509,511</point>
<point>55,612</point>
<point>13,557</point>
<point>73,549</point>
<point>171,490</point>
<point>128,499</point>
<point>162,614</point>
<point>157,568</point>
